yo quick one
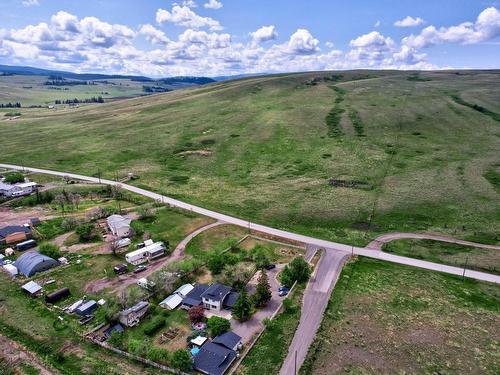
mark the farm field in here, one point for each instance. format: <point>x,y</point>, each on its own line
<point>386,318</point>
<point>398,154</point>
<point>483,260</point>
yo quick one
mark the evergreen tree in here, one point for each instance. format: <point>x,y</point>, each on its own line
<point>263,291</point>
<point>242,309</point>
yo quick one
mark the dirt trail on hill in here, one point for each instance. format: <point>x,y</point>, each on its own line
<point>378,243</point>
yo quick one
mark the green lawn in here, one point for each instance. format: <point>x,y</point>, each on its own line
<point>388,318</point>
<point>448,253</point>
<point>259,148</point>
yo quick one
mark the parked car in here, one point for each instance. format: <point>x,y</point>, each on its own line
<point>120,269</point>
<point>140,269</point>
<point>283,287</point>
<point>283,292</point>
<point>270,267</point>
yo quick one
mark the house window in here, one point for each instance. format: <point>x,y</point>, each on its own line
<point>214,307</point>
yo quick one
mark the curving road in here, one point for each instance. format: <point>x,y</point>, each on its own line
<point>379,242</point>
<point>331,246</point>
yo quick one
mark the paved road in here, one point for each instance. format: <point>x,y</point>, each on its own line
<point>247,330</point>
<point>379,242</point>
<point>273,231</point>
<point>316,297</point>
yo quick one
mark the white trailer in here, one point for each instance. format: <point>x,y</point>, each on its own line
<point>145,254</point>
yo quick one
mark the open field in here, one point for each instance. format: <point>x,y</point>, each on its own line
<point>407,157</point>
<point>386,318</point>
<point>484,260</point>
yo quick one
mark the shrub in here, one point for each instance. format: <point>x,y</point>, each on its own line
<point>14,177</point>
<point>217,325</point>
<point>196,314</point>
<point>154,325</point>
<point>49,250</point>
<point>86,232</point>
<point>182,360</point>
<point>158,354</point>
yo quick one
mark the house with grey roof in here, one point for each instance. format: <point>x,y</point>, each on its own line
<point>193,298</point>
<point>229,340</point>
<point>119,225</point>
<point>33,262</point>
<point>218,297</point>
<point>214,359</point>
<point>14,233</point>
<point>132,316</point>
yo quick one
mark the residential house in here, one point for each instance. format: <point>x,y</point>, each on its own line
<point>146,254</point>
<point>133,315</point>
<point>229,340</point>
<point>214,297</point>
<point>213,359</point>
<point>17,190</point>
<point>119,225</point>
<point>14,233</point>
<point>193,298</point>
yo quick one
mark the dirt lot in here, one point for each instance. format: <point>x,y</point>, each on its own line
<point>391,319</point>
<point>21,216</point>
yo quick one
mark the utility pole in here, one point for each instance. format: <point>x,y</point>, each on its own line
<point>99,175</point>
<point>465,266</point>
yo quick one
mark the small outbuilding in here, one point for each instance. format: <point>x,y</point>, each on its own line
<point>13,234</point>
<point>87,308</point>
<point>171,302</point>
<point>11,269</point>
<point>32,288</point>
<point>33,262</point>
<point>184,290</point>
<point>57,295</point>
<point>198,341</point>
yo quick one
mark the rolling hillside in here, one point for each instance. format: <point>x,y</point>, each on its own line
<point>336,155</point>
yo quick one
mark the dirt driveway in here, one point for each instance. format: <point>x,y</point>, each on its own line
<point>11,216</point>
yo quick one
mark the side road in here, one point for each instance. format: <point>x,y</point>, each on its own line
<point>316,297</point>
<point>379,242</point>
<point>272,231</point>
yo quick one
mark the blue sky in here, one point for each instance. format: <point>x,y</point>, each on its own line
<point>222,37</point>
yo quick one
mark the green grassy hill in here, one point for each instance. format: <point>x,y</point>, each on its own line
<point>406,151</point>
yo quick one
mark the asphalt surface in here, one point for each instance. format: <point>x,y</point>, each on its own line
<point>370,253</point>
<point>379,242</point>
<point>316,297</point>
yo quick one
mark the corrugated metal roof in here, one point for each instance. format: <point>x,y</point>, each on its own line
<point>32,287</point>
<point>32,262</point>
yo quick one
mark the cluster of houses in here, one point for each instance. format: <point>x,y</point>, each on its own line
<point>30,262</point>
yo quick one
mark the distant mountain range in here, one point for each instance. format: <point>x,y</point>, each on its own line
<point>195,80</point>
<point>30,71</point>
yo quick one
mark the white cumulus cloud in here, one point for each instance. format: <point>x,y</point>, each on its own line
<point>264,34</point>
<point>184,16</point>
<point>303,43</point>
<point>153,35</point>
<point>213,4</point>
<point>409,21</point>
<point>486,27</point>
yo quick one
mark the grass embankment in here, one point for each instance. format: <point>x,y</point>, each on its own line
<point>388,318</point>
<point>259,149</point>
<point>478,259</point>
<point>267,356</point>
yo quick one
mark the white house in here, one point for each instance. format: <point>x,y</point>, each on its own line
<point>213,298</point>
<point>17,190</point>
<point>119,225</point>
<point>133,315</point>
<point>146,253</point>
